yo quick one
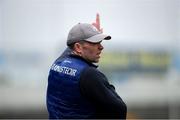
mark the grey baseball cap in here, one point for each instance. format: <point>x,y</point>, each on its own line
<point>86,32</point>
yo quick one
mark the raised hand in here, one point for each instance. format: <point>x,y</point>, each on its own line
<point>97,23</point>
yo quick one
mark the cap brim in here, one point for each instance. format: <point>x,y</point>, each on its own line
<point>98,38</point>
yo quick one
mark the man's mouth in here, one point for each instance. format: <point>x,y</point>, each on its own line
<point>98,54</point>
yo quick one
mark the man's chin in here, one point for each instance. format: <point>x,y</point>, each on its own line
<point>96,61</point>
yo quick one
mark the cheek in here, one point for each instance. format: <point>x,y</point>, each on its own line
<point>88,53</point>
<point>88,50</point>
<point>92,52</point>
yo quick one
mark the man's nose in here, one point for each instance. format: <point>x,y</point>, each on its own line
<point>101,47</point>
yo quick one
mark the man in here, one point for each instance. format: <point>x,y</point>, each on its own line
<point>76,88</point>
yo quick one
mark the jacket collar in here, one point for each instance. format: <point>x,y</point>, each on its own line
<point>79,57</point>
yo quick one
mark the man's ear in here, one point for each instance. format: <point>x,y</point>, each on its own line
<point>78,47</point>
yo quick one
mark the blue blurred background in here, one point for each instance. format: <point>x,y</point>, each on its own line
<point>142,60</point>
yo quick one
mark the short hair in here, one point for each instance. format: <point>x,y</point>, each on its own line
<point>71,46</point>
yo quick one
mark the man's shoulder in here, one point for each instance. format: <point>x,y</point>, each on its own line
<point>92,72</point>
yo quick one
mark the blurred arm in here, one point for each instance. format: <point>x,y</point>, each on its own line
<point>95,87</point>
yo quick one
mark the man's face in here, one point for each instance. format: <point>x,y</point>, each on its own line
<point>91,51</point>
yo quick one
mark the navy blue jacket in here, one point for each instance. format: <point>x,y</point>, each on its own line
<point>77,89</point>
